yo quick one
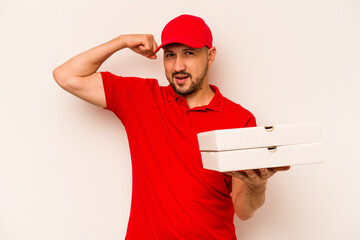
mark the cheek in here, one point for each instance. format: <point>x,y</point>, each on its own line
<point>168,72</point>
<point>196,65</point>
<point>167,66</point>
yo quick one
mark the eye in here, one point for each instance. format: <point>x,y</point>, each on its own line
<point>189,53</point>
<point>169,55</point>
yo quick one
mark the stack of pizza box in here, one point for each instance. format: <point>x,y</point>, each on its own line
<point>261,147</point>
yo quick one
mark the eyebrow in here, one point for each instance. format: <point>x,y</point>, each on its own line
<point>186,49</point>
<point>192,49</point>
<point>167,51</point>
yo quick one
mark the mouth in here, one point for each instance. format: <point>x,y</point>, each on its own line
<point>181,78</point>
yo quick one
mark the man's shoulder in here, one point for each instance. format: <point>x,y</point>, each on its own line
<point>112,76</point>
<point>244,118</point>
<point>232,106</point>
<point>130,82</point>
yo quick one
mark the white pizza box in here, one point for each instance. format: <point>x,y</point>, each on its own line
<point>254,137</point>
<point>263,157</point>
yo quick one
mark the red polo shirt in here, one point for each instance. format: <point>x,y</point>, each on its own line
<point>173,196</point>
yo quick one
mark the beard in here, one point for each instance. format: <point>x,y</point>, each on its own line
<point>194,84</point>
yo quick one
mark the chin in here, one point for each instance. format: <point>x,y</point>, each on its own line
<point>184,91</point>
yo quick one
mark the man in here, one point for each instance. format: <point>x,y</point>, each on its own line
<point>173,196</point>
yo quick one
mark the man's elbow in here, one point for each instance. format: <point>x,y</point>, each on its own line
<point>245,213</point>
<point>59,77</point>
<point>64,81</point>
<point>244,216</point>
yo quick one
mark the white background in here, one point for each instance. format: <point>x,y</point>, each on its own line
<point>65,170</point>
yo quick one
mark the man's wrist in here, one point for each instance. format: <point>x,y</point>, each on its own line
<point>255,189</point>
<point>121,41</point>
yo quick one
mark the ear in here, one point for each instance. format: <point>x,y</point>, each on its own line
<point>211,55</point>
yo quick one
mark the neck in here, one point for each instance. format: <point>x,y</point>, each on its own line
<point>201,97</point>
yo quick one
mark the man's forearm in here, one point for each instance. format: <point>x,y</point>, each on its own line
<point>248,188</point>
<point>249,200</point>
<point>88,62</point>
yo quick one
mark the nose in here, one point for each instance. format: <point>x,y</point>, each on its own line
<point>179,64</point>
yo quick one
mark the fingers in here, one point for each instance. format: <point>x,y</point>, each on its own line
<point>283,168</point>
<point>253,178</point>
<point>265,173</point>
<point>256,174</point>
<point>238,174</point>
<point>148,47</point>
<point>277,169</point>
<point>143,44</point>
<point>256,177</point>
<point>252,175</point>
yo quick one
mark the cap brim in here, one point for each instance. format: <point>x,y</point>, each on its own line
<point>186,41</point>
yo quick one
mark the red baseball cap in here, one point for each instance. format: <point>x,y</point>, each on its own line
<point>186,29</point>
